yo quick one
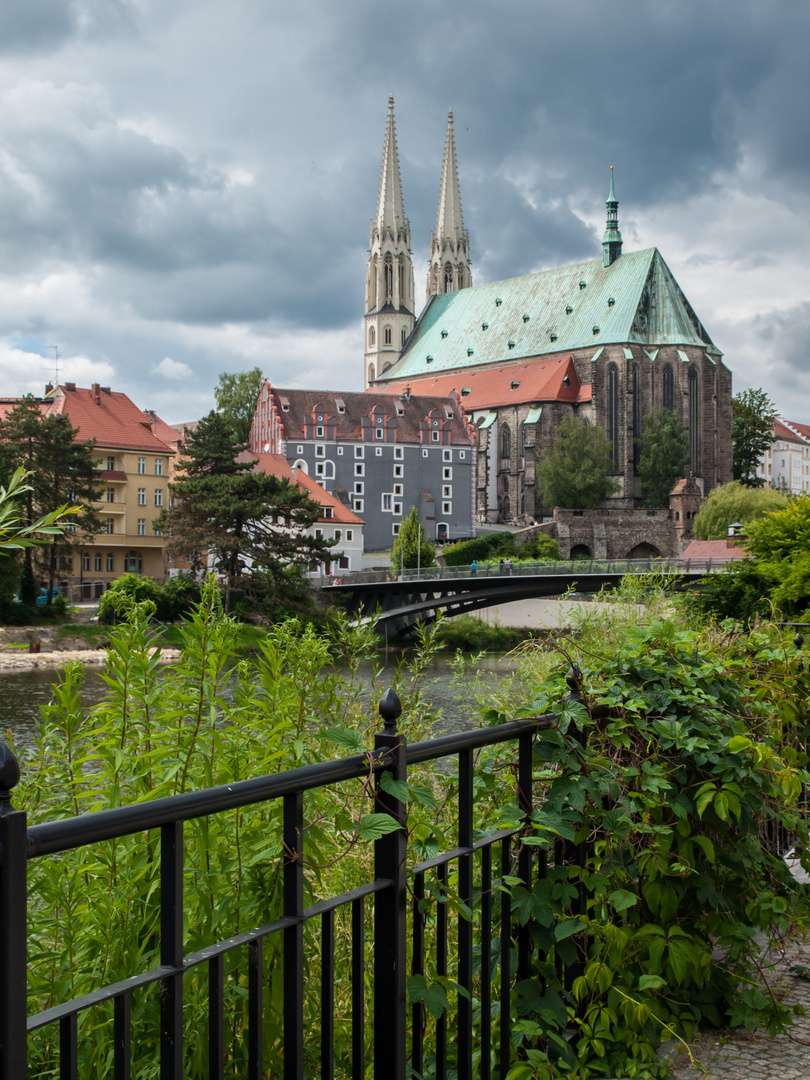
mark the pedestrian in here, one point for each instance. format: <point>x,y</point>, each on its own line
<point>502,567</point>
<point>508,567</point>
<point>473,568</point>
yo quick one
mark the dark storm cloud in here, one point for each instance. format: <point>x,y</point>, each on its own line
<point>783,337</point>
<point>35,25</point>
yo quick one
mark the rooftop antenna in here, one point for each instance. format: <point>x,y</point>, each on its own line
<point>55,363</point>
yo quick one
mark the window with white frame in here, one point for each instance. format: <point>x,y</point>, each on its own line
<point>141,526</point>
<point>158,466</point>
<point>340,451</point>
<point>398,508</point>
<point>447,508</point>
<point>462,454</point>
<point>359,451</point>
<point>319,432</point>
<point>359,468</point>
<point>424,453</point>
<point>141,496</point>
<point>435,435</point>
<point>359,487</point>
<point>378,434</point>
<point>158,496</point>
<point>110,562</point>
<point>319,467</point>
<point>110,495</point>
<point>379,451</point>
<point>299,449</point>
<point>398,489</point>
<point>447,455</point>
<point>358,506</point>
<point>447,491</point>
<point>395,528</point>
<point>110,523</point>
<point>398,470</point>
<point>110,464</point>
<point>141,464</point>
<point>85,560</point>
<point>349,535</point>
<point>328,511</point>
<point>97,565</point>
<point>387,501</point>
<point>320,451</point>
<point>399,452</point>
<point>447,473</point>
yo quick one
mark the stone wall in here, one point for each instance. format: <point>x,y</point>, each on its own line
<point>611,534</point>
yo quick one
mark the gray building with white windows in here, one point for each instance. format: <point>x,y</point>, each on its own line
<point>379,454</point>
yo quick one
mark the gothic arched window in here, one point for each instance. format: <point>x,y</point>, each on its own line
<point>387,335</point>
<point>372,336</point>
<point>389,277</point>
<point>613,415</point>
<point>694,419</point>
<point>448,277</point>
<point>506,441</point>
<point>668,388</point>
<point>401,277</point>
<point>371,373</point>
<point>636,415</point>
<point>402,336</point>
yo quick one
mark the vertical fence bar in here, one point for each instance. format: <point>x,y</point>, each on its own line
<point>328,995</point>
<point>465,926</point>
<point>69,1048</point>
<point>524,795</point>
<point>505,1015</point>
<point>216,1016</point>
<point>122,1037</point>
<point>390,910</point>
<point>418,968</point>
<point>255,1009</point>
<point>358,991</point>
<point>441,970</point>
<point>486,962</point>
<point>294,936</point>
<point>171,950</point>
<point>13,926</point>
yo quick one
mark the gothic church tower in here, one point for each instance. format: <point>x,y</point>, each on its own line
<point>389,276</point>
<point>449,243</point>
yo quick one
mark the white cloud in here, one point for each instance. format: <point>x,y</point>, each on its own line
<point>171,369</point>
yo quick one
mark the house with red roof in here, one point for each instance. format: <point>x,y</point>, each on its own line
<point>785,465</point>
<point>134,467</point>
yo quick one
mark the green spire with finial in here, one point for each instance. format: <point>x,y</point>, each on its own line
<point>612,240</point>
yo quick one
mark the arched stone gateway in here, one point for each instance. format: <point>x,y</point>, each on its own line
<point>580,551</point>
<point>644,550</point>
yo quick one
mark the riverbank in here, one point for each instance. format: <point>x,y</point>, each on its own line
<point>17,660</point>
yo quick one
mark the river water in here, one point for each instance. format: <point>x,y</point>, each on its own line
<point>22,692</point>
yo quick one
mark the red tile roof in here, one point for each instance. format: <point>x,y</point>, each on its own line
<point>539,380</point>
<point>714,549</point>
<point>277,465</point>
<point>109,417</point>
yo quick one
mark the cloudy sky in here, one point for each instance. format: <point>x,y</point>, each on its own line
<point>186,185</point>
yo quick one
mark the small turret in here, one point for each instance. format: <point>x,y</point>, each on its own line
<point>612,240</point>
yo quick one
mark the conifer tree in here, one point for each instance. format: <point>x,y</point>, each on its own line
<point>247,526</point>
<point>412,548</point>
<point>60,470</point>
<point>664,456</point>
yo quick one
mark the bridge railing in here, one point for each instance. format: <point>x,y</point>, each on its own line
<point>406,939</point>
<point>536,569</point>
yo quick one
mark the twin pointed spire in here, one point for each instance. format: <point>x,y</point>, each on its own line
<point>390,207</point>
<point>449,243</point>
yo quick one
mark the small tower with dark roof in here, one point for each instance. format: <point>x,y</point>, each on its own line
<point>612,240</point>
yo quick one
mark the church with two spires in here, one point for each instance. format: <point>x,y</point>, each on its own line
<point>611,341</point>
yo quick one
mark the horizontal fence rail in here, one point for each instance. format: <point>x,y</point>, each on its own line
<point>407,937</point>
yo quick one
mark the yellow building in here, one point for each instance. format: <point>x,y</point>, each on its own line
<point>134,467</point>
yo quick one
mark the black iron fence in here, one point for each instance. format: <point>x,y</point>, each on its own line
<point>476,944</point>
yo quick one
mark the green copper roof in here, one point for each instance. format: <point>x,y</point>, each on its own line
<point>636,300</point>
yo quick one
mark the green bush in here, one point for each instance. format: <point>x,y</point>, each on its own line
<point>490,546</point>
<point>171,600</point>
<point>472,634</point>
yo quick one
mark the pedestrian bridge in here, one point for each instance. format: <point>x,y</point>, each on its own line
<point>401,601</point>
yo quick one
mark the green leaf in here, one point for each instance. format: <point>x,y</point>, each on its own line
<point>373,826</point>
<point>651,982</point>
<point>345,737</point>
<point>566,928</point>
<point>739,743</point>
<point>620,899</point>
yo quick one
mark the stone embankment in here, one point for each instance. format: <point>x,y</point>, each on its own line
<point>16,653</point>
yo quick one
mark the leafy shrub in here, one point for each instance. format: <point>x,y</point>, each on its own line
<point>171,600</point>
<point>489,546</point>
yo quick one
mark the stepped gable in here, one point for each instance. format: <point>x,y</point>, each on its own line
<point>584,306</point>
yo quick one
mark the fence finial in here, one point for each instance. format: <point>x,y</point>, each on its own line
<point>9,776</point>
<point>390,710</point>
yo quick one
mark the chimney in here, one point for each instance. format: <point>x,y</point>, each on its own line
<point>96,391</point>
<point>70,386</point>
<point>49,388</point>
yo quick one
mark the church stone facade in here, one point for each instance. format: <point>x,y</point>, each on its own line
<point>611,340</point>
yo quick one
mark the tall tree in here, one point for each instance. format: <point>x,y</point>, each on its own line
<point>731,503</point>
<point>412,548</point>
<point>60,470</point>
<point>664,456</point>
<point>236,396</point>
<point>753,414</point>
<point>247,526</point>
<point>575,474</point>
